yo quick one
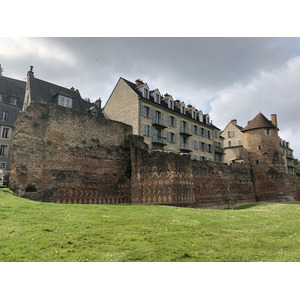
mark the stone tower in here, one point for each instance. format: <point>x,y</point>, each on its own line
<point>261,142</point>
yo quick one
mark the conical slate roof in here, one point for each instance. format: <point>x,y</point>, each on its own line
<point>260,121</point>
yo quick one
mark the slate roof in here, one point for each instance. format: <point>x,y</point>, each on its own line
<point>43,91</point>
<point>133,86</point>
<point>260,121</point>
<point>10,87</point>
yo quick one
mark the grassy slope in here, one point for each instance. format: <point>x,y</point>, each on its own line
<point>35,231</point>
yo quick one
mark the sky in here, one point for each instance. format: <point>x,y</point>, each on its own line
<point>229,78</point>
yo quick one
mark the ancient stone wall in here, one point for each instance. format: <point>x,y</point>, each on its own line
<point>60,155</point>
<point>160,177</point>
<point>63,156</point>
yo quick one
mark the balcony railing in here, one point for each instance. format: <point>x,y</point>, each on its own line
<point>185,131</point>
<point>158,122</point>
<point>219,149</point>
<point>185,147</point>
<point>159,140</point>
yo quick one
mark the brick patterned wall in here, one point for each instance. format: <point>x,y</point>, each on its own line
<point>167,178</point>
<point>63,156</point>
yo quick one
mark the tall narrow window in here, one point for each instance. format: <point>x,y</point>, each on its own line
<point>3,150</point>
<point>4,116</point>
<point>5,133</point>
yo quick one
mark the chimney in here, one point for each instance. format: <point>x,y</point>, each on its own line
<point>274,120</point>
<point>139,82</point>
<point>176,102</point>
<point>189,106</point>
<point>234,122</point>
<point>31,71</point>
<point>1,70</point>
<point>98,102</point>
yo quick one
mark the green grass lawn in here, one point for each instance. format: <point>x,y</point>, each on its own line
<point>36,231</point>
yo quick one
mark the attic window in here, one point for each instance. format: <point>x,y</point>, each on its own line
<point>13,100</point>
<point>146,93</point>
<point>64,101</point>
<point>157,98</point>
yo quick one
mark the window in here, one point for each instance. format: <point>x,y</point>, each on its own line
<point>145,111</point>
<point>13,100</point>
<point>146,130</point>
<point>4,150</point>
<point>5,133</point>
<point>268,132</point>
<point>146,93</point>
<point>230,134</point>
<point>171,137</point>
<point>4,116</point>
<point>208,134</point>
<point>157,98</point>
<point>195,157</point>
<point>65,101</point>
<point>229,143</point>
<point>259,147</point>
<point>194,129</point>
<point>172,121</point>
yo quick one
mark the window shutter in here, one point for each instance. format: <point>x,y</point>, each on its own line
<point>142,110</point>
<point>181,125</point>
<point>169,119</point>
<point>151,131</point>
<point>175,122</point>
<point>146,129</point>
<point>152,113</point>
<point>175,138</point>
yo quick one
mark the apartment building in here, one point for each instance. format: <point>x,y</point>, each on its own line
<point>233,143</point>
<point>12,93</point>
<point>287,156</point>
<point>165,123</point>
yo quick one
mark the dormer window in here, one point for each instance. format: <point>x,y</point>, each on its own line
<point>13,100</point>
<point>146,93</point>
<point>182,109</point>
<point>171,104</point>
<point>64,101</point>
<point>157,98</point>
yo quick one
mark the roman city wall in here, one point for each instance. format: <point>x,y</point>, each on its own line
<point>62,156</point>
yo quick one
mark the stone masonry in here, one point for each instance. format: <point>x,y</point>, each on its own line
<point>63,156</point>
<point>60,155</point>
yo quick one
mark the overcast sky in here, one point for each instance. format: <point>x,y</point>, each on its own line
<point>225,77</point>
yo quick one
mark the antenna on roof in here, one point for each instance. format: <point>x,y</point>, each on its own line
<point>1,70</point>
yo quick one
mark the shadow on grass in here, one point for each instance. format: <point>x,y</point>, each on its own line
<point>250,205</point>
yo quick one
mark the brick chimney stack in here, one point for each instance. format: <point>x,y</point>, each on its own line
<point>31,71</point>
<point>139,82</point>
<point>274,119</point>
<point>234,122</point>
<point>98,102</point>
